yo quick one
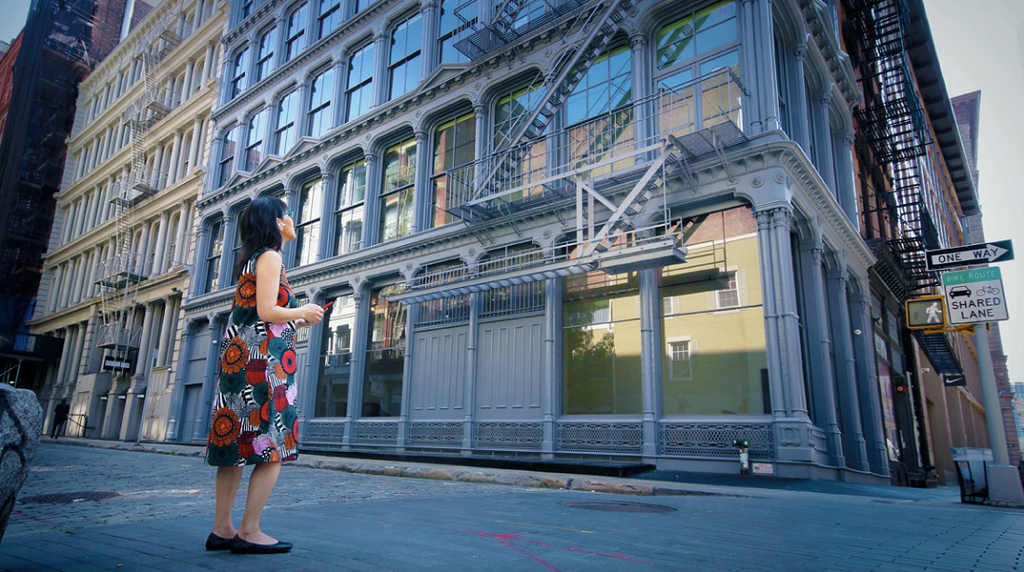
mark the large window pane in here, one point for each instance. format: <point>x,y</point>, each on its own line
<point>296,39</point>
<point>284,132</point>
<point>351,196</point>
<point>454,144</point>
<point>254,140</point>
<point>511,112</point>
<point>385,355</point>
<point>396,197</point>
<point>457,20</point>
<point>227,155</point>
<point>404,63</point>
<point>601,345</point>
<point>213,256</point>
<point>335,358</point>
<point>713,353</point>
<point>265,54</point>
<point>320,95</point>
<point>330,16</point>
<point>359,94</point>
<point>696,33</point>
<point>307,225</point>
<point>239,68</point>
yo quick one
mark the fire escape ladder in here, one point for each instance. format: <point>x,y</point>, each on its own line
<point>568,70</point>
<point>893,122</point>
<point>121,273</point>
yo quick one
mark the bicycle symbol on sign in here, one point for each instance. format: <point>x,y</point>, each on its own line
<point>987,290</point>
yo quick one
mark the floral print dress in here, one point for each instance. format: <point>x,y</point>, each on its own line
<point>254,415</point>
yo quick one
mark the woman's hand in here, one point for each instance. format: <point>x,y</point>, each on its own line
<point>311,314</point>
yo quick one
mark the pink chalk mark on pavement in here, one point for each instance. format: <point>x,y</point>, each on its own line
<point>514,536</point>
<point>16,513</point>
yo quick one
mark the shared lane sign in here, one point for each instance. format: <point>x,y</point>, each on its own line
<point>975,296</point>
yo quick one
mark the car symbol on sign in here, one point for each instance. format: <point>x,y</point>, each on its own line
<point>960,292</point>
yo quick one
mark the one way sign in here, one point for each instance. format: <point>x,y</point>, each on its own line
<point>999,251</point>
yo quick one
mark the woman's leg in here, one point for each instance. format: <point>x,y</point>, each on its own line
<point>228,479</point>
<point>261,483</point>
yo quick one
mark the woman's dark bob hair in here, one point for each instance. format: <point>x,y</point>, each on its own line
<point>258,228</point>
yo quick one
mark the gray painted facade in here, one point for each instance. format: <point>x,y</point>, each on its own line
<point>482,379</point>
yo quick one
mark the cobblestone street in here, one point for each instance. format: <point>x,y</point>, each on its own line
<point>343,521</point>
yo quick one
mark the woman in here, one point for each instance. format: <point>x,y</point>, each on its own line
<point>254,416</point>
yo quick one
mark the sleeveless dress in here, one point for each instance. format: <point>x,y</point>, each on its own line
<point>254,415</point>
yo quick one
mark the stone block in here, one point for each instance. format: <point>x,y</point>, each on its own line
<point>21,422</point>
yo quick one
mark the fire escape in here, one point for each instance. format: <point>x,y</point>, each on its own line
<point>893,123</point>
<point>120,275</point>
<point>607,170</point>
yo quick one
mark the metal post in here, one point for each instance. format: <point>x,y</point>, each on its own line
<point>1003,480</point>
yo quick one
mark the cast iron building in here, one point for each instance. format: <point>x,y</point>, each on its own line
<point>621,229</point>
<point>116,269</point>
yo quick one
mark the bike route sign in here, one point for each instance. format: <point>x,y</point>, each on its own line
<point>975,296</point>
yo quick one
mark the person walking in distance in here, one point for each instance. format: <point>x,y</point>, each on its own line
<point>60,417</point>
<point>254,417</point>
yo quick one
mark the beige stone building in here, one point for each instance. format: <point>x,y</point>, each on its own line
<point>121,243</point>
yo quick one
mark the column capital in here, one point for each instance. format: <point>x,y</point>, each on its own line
<point>799,51</point>
<point>479,109</point>
<point>637,41</point>
<point>421,136</point>
<point>370,157</point>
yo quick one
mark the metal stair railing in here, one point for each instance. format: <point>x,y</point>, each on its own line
<point>570,67</point>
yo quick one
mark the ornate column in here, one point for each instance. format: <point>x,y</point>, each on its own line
<point>186,88</point>
<point>172,165</point>
<point>469,391</point>
<point>357,359</point>
<point>224,277</point>
<point>164,340</point>
<point>142,249</point>
<point>161,244</point>
<point>372,200</point>
<point>867,376</point>
<point>854,445</point>
<point>380,69</point>
<point>846,179</point>
<point>768,84</point>
<point>327,218</point>
<point>51,295</point>
<point>820,347</point>
<point>650,356</point>
<point>642,83</point>
<point>145,344</point>
<point>779,393</point>
<point>208,63</point>
<point>177,409</point>
<point>421,185</point>
<point>431,30</point>
<point>179,257</point>
<point>412,312</point>
<point>823,134</point>
<point>798,116</point>
<point>193,147</point>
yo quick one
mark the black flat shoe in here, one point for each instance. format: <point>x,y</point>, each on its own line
<point>239,546</point>
<point>214,542</point>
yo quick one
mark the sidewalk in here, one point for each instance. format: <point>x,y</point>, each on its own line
<point>655,483</point>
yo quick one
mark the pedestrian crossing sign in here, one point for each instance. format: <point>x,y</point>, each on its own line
<point>926,313</point>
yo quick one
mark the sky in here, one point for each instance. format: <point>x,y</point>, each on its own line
<point>15,12</point>
<point>982,48</point>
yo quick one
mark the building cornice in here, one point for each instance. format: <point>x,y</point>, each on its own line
<point>819,25</point>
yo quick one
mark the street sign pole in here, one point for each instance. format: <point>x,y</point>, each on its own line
<point>1003,478</point>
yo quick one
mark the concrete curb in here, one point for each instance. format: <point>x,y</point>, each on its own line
<point>455,473</point>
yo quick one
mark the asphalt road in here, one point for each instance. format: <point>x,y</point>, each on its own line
<point>88,509</point>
